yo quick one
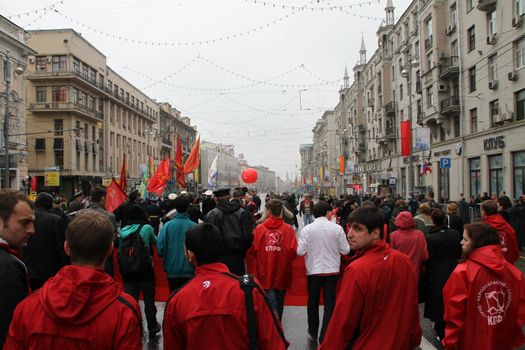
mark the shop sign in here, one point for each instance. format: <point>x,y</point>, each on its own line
<point>52,177</point>
<point>445,152</point>
<point>496,142</point>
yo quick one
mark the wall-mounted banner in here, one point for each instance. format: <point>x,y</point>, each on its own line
<point>422,138</point>
<point>350,167</point>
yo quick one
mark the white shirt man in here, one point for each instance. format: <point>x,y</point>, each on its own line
<point>322,243</point>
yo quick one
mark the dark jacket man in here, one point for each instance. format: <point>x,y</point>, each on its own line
<point>236,226</point>
<point>517,214</point>
<point>122,213</point>
<point>44,254</point>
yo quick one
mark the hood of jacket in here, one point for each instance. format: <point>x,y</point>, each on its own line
<point>405,220</point>
<point>272,222</point>
<point>228,207</point>
<point>496,221</point>
<point>491,257</point>
<point>128,229</point>
<point>76,295</point>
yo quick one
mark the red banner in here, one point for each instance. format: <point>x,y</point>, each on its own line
<point>159,179</point>
<point>405,138</point>
<point>114,197</point>
<point>193,159</point>
<point>341,164</point>
<point>179,167</point>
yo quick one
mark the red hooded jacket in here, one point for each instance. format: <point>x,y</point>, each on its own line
<point>376,307</point>
<point>484,303</point>
<point>410,241</point>
<point>274,248</point>
<point>78,308</point>
<point>509,244</point>
<point>209,313</point>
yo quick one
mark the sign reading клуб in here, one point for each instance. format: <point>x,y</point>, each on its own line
<point>496,142</point>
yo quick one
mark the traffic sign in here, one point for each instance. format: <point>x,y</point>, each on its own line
<point>444,163</point>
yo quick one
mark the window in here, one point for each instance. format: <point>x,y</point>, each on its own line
<point>494,112</point>
<point>86,131</point>
<point>471,38</point>
<point>401,92</point>
<point>430,63</point>
<point>493,67</point>
<point>59,63</point>
<point>40,145</point>
<point>453,14</point>
<point>41,64</point>
<point>520,104</point>
<point>518,167</point>
<point>59,94</point>
<point>518,7</point>
<point>77,128</point>
<point>115,90</point>
<point>454,48</point>
<point>430,97</point>
<point>492,23</point>
<point>416,49</point>
<point>457,126</point>
<point>519,53</point>
<point>92,75</point>
<point>93,133</point>
<point>78,160</point>
<point>469,5</point>
<point>428,26</point>
<point>76,65</point>
<point>41,94</point>
<point>474,120</point>
<point>496,173</point>
<point>472,79</point>
<point>74,95</point>
<point>475,176</point>
<point>59,127</point>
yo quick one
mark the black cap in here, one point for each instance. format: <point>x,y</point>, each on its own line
<point>221,192</point>
<point>78,194</point>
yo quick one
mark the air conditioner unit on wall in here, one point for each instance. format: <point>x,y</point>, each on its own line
<point>497,119</point>
<point>491,39</point>
<point>442,87</point>
<point>517,21</point>
<point>507,116</point>
<point>493,84</point>
<point>512,75</point>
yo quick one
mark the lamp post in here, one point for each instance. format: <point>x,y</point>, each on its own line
<point>7,79</point>
<point>407,73</point>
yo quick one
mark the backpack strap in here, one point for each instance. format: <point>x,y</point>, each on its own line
<point>130,306</point>
<point>250,285</point>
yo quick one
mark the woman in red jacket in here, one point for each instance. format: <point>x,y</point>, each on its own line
<point>484,297</point>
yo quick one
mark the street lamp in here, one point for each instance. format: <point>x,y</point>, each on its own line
<point>407,74</point>
<point>19,70</point>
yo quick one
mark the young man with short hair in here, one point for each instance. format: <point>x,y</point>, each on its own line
<point>81,306</point>
<point>209,312</point>
<point>509,242</point>
<point>322,243</point>
<point>377,304</point>
<point>274,248</point>
<point>16,227</point>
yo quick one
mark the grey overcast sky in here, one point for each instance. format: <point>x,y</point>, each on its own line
<point>252,73</point>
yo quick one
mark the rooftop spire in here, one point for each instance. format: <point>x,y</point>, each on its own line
<point>362,52</point>
<point>346,78</point>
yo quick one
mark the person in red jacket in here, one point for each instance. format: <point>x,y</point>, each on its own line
<point>274,247</point>
<point>81,307</point>
<point>484,296</point>
<point>209,312</point>
<point>509,242</point>
<point>377,304</point>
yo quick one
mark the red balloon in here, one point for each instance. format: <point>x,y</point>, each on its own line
<point>249,175</point>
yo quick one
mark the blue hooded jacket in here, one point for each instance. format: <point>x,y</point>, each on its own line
<point>170,246</point>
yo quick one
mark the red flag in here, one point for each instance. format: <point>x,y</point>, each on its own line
<point>114,196</point>
<point>179,168</point>
<point>122,181</point>
<point>159,179</point>
<point>33,184</point>
<point>406,134</point>
<point>193,159</point>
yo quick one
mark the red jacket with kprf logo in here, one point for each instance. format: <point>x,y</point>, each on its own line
<point>273,249</point>
<point>509,244</point>
<point>484,302</point>
<point>209,313</point>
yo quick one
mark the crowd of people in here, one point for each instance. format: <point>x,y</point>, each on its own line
<point>229,259</point>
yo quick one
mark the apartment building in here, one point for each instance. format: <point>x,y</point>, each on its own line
<point>453,68</point>
<point>14,52</point>
<point>173,125</point>
<point>228,166</point>
<point>94,115</point>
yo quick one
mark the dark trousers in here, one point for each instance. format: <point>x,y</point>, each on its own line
<point>148,292</point>
<point>176,283</point>
<point>235,264</point>
<point>315,284</point>
<point>276,300</point>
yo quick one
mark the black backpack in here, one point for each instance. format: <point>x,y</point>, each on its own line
<point>134,258</point>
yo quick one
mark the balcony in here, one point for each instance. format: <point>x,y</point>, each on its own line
<point>390,131</point>
<point>486,5</point>
<point>71,107</point>
<point>450,105</point>
<point>370,102</point>
<point>449,68</point>
<point>390,108</point>
<point>91,81</point>
<point>167,143</point>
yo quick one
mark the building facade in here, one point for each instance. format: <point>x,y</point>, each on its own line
<point>14,51</point>
<point>172,126</point>
<point>228,168</point>
<point>452,69</point>
<point>93,115</point>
